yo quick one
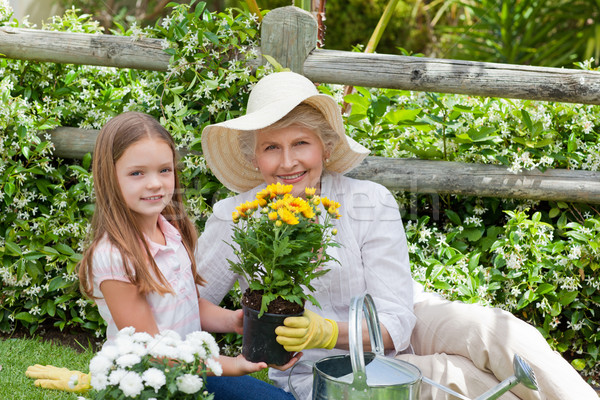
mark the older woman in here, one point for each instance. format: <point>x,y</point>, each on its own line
<point>294,135</point>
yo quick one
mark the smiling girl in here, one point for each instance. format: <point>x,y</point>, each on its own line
<point>139,267</point>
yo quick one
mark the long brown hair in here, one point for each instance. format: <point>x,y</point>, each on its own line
<point>115,221</point>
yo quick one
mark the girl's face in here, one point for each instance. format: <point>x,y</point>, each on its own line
<point>146,176</point>
<point>292,156</point>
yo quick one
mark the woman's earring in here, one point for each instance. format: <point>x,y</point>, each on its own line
<point>256,169</point>
<point>327,161</point>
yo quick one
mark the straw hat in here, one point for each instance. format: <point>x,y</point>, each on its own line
<point>271,99</point>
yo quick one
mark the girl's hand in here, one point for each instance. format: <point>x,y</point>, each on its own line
<point>238,321</point>
<point>289,365</point>
<point>242,366</point>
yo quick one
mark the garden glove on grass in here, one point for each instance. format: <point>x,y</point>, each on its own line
<point>50,377</point>
<point>310,331</point>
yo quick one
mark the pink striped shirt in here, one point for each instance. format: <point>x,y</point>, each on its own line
<point>178,311</point>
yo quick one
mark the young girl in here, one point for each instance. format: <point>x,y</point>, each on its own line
<point>140,267</point>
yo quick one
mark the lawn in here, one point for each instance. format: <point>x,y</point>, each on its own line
<point>16,354</point>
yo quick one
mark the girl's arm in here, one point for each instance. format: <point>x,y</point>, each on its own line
<point>219,319</point>
<point>128,307</point>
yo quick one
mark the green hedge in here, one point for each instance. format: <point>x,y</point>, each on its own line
<point>537,259</point>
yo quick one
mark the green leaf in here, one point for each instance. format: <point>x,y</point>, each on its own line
<point>64,249</point>
<point>25,316</point>
<point>13,249</point>
<point>58,283</point>
<point>565,297</point>
<point>452,216</point>
<point>9,188</point>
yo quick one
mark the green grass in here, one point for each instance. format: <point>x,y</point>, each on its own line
<point>17,354</point>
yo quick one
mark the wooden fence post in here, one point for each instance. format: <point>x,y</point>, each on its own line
<point>289,34</point>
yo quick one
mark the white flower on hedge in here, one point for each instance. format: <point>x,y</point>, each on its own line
<point>99,382</point>
<point>128,360</point>
<point>100,365</point>
<point>214,366</point>
<point>189,383</point>
<point>131,384</point>
<point>154,378</point>
<point>115,376</point>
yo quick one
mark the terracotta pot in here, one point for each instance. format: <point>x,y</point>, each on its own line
<point>258,342</point>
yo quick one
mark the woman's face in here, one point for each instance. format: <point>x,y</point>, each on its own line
<point>292,156</point>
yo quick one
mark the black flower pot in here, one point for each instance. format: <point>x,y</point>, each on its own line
<point>258,342</point>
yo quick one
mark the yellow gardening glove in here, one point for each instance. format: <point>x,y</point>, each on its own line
<point>50,377</point>
<point>310,331</point>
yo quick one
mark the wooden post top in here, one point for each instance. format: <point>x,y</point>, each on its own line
<point>289,34</point>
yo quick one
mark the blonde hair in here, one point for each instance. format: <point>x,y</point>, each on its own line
<point>303,115</point>
<point>116,222</point>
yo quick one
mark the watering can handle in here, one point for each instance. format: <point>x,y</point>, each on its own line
<point>357,306</point>
<point>306,362</point>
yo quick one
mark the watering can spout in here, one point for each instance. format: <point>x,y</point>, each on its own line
<point>522,374</point>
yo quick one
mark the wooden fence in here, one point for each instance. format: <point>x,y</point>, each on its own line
<point>289,35</point>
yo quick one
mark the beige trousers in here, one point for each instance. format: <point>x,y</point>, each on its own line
<point>469,348</point>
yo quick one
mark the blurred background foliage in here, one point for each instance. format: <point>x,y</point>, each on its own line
<point>529,32</point>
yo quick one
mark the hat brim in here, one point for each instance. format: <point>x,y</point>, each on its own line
<point>220,142</point>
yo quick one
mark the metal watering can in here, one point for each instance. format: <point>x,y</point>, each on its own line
<point>371,375</point>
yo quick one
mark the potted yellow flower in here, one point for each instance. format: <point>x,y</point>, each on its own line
<point>282,244</point>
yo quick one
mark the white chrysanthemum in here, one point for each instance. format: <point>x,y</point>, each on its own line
<point>160,349</point>
<point>100,365</point>
<point>110,352</point>
<point>186,352</point>
<point>214,366</point>
<point>205,341</point>
<point>171,334</point>
<point>142,337</point>
<point>99,382</point>
<point>189,384</point>
<point>115,377</point>
<point>128,331</point>
<point>128,360</point>
<point>124,344</point>
<point>139,349</point>
<point>131,384</point>
<point>154,378</point>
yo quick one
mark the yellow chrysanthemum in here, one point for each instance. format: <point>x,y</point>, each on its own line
<point>273,216</point>
<point>263,194</point>
<point>247,208</point>
<point>287,216</point>
<point>235,216</point>
<point>278,189</point>
<point>310,191</point>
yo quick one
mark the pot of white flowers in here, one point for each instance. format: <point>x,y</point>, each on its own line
<point>165,366</point>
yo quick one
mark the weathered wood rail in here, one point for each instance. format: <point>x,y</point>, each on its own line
<point>289,35</point>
